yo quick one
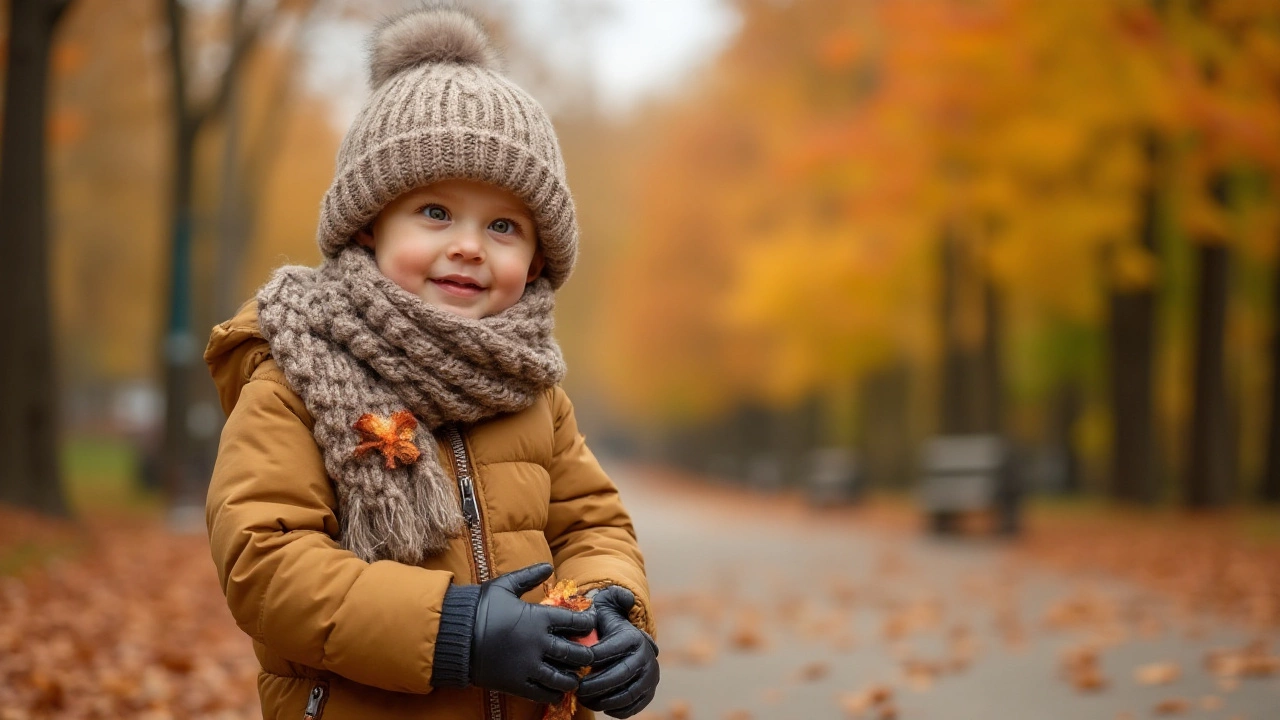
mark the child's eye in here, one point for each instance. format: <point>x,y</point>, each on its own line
<point>435,212</point>
<point>503,227</point>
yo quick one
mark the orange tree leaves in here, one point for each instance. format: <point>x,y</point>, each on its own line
<point>784,229</point>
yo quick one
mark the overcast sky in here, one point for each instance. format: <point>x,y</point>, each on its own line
<point>632,47</point>
<point>629,49</point>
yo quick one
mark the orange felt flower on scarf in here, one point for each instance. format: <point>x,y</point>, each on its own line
<point>392,436</point>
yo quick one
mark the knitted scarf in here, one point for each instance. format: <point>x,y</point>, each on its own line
<point>371,361</point>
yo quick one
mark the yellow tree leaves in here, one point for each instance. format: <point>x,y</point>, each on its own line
<point>786,232</point>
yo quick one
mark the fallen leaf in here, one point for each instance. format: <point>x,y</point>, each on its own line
<point>920,674</point>
<point>1211,702</point>
<point>1161,673</point>
<point>843,641</point>
<point>746,634</point>
<point>1252,660</point>
<point>916,617</point>
<point>812,672</point>
<point>1172,706</point>
<point>880,694</point>
<point>855,705</point>
<point>1080,666</point>
<point>700,650</point>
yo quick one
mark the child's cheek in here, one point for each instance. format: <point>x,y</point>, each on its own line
<point>406,268</point>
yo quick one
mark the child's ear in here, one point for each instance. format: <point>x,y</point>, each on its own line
<point>364,236</point>
<point>535,266</point>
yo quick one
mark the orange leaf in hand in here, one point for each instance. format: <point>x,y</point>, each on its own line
<point>392,436</point>
<point>565,595</point>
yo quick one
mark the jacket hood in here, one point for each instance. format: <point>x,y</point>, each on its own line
<point>236,348</point>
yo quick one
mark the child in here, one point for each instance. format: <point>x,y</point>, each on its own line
<point>399,464</point>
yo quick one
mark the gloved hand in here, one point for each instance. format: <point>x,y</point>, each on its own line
<point>624,673</point>
<point>518,648</point>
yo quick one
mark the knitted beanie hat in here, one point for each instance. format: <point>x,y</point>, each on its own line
<point>440,109</point>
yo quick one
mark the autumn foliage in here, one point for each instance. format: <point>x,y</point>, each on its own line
<point>785,232</point>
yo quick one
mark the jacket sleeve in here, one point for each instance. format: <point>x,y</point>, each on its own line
<point>592,539</point>
<point>271,521</point>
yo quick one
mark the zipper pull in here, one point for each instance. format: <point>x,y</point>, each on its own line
<point>313,703</point>
<point>470,510</point>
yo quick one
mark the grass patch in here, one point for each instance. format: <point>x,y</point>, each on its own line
<point>1261,525</point>
<point>1249,522</point>
<point>100,477</point>
<point>34,553</point>
<point>103,475</point>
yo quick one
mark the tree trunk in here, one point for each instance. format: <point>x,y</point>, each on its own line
<point>957,377</point>
<point>1132,341</point>
<point>245,165</point>
<point>233,216</point>
<point>180,350</point>
<point>1132,351</point>
<point>1270,490</point>
<point>1207,478</point>
<point>29,470</point>
<point>797,431</point>
<point>884,427</point>
<point>181,475</point>
<point>1065,415</point>
<point>991,371</point>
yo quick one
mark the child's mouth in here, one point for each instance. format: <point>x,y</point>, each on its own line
<point>458,287</point>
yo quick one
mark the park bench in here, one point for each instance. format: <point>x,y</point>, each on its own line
<point>834,477</point>
<point>965,474</point>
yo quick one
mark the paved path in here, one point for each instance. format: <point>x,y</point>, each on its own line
<point>820,610</point>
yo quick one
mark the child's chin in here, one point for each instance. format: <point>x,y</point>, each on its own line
<point>475,312</point>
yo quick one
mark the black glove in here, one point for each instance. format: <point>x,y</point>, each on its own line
<point>624,673</point>
<point>517,648</point>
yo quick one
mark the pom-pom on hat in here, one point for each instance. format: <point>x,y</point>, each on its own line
<point>441,109</point>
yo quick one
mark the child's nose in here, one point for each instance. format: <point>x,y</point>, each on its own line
<point>467,245</point>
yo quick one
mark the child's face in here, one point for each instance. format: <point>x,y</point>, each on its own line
<point>463,246</point>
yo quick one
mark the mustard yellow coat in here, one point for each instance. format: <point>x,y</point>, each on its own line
<point>355,638</point>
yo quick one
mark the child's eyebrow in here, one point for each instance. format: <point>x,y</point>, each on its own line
<point>503,206</point>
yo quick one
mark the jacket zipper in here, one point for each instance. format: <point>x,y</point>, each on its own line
<point>314,703</point>
<point>471,513</point>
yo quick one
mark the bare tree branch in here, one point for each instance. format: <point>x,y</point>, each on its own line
<point>175,17</point>
<point>244,35</point>
<point>264,146</point>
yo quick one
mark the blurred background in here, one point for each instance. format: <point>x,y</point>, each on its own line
<point>838,250</point>
<point>805,224</point>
